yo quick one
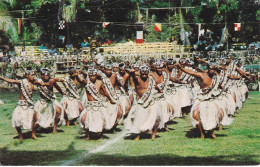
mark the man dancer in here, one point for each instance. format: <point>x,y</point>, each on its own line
<point>205,112</point>
<point>143,116</point>
<point>182,90</point>
<point>70,102</point>
<point>49,109</point>
<point>114,111</point>
<point>92,118</point>
<point>166,109</point>
<point>121,89</point>
<point>24,116</point>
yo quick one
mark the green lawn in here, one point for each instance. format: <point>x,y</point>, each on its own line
<point>238,144</point>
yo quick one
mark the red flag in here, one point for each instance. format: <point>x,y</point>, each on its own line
<point>237,26</point>
<point>157,27</point>
<point>19,26</point>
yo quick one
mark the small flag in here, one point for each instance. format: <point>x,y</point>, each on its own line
<point>61,25</point>
<point>139,33</point>
<point>158,27</point>
<point>237,26</point>
<point>105,24</point>
<point>139,36</point>
<point>19,26</point>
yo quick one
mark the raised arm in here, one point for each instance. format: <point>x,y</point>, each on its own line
<point>41,83</point>
<point>190,72</point>
<point>10,80</point>
<point>58,79</point>
<point>58,88</point>
<point>81,81</point>
<point>175,80</point>
<point>244,74</point>
<point>234,77</point>
<point>134,76</point>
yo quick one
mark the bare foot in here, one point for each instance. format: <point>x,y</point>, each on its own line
<point>153,136</point>
<point>220,128</point>
<point>54,131</point>
<point>137,138</point>
<point>213,135</point>
<point>21,138</point>
<point>34,137</point>
<point>68,123</point>
<point>167,129</point>
<point>202,136</point>
<point>76,124</point>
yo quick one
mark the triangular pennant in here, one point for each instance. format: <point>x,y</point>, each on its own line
<point>157,27</point>
<point>105,24</point>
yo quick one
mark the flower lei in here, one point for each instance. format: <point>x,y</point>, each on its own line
<point>92,90</point>
<point>163,84</point>
<point>110,89</point>
<point>46,92</point>
<point>26,91</point>
<point>71,87</point>
<point>120,79</point>
<point>147,93</point>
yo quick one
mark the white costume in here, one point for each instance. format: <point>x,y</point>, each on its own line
<point>183,91</point>
<point>144,114</point>
<point>209,107</point>
<point>123,97</point>
<point>93,111</point>
<point>71,99</point>
<point>165,104</point>
<point>111,111</point>
<point>46,107</point>
<point>23,114</point>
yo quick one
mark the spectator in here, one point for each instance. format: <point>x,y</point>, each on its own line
<point>172,39</point>
<point>52,50</point>
<point>23,52</point>
<point>84,44</point>
<point>43,46</point>
<point>107,42</point>
<point>129,42</point>
<point>99,57</point>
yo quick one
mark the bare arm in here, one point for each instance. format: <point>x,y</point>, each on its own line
<point>133,74</point>
<point>195,74</point>
<point>244,74</point>
<point>81,81</point>
<point>106,94</point>
<point>175,80</point>
<point>41,83</point>
<point>233,77</point>
<point>58,88</point>
<point>10,80</point>
<point>58,79</point>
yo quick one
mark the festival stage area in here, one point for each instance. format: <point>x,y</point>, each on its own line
<point>238,144</point>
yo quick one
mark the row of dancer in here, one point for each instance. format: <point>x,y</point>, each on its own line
<point>143,98</point>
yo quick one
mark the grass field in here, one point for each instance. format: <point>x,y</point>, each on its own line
<point>237,144</point>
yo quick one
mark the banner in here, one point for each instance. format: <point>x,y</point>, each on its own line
<point>237,26</point>
<point>158,27</point>
<point>19,26</point>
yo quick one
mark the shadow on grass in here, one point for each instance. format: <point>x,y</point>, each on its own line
<point>47,130</point>
<point>168,159</point>
<point>195,133</point>
<point>142,136</point>
<point>10,157</point>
